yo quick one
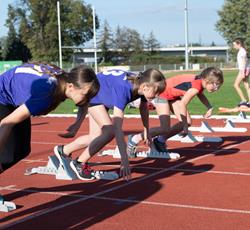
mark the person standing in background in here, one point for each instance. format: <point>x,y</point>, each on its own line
<point>243,73</point>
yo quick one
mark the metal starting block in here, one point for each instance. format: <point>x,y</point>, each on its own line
<point>192,139</point>
<point>54,167</point>
<point>6,206</point>
<point>151,153</point>
<point>241,118</point>
<point>206,128</point>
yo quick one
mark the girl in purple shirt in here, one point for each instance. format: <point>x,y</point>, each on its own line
<point>117,89</point>
<point>31,90</point>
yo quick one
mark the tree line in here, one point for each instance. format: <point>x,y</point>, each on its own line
<point>33,31</point>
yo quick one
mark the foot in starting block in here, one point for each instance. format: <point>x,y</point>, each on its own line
<point>54,167</point>
<point>65,172</point>
<point>151,153</point>
<point>6,206</point>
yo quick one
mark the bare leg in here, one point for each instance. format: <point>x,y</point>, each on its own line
<point>246,85</point>
<point>237,82</point>
<point>83,141</point>
<point>101,118</point>
<point>163,111</point>
<point>178,127</point>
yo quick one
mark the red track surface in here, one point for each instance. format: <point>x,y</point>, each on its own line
<point>208,188</point>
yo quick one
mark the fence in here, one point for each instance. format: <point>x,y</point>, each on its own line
<point>164,67</point>
<point>5,65</point>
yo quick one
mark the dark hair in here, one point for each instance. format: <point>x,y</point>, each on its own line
<point>77,76</point>
<point>81,75</point>
<point>212,74</point>
<point>150,76</point>
<point>240,41</point>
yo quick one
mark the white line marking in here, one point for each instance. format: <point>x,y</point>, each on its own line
<point>49,210</point>
<point>10,188</point>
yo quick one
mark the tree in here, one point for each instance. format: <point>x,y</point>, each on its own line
<point>234,20</point>
<point>105,42</point>
<point>151,43</point>
<point>38,26</point>
<point>12,46</point>
<point>128,40</point>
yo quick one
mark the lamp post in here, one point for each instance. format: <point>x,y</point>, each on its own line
<point>186,35</point>
<point>94,31</point>
<point>59,34</point>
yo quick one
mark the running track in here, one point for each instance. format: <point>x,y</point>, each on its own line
<point>208,188</point>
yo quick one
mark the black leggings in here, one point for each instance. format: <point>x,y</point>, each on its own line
<point>17,146</point>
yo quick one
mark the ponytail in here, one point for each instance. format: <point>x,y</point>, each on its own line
<point>150,76</point>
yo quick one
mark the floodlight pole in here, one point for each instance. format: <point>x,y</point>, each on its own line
<point>94,31</point>
<point>59,34</point>
<point>186,35</point>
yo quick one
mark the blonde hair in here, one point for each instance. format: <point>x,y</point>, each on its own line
<point>150,76</point>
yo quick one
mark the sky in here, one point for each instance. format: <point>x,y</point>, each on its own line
<point>165,18</point>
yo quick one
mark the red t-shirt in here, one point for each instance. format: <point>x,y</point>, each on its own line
<point>178,85</point>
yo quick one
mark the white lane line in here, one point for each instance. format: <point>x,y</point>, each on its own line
<point>241,211</point>
<point>213,171</point>
<point>184,149</point>
<point>49,210</point>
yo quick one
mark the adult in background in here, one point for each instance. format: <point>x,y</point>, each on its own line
<point>243,73</point>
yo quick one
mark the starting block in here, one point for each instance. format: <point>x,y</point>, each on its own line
<point>241,118</point>
<point>192,139</point>
<point>54,167</point>
<point>151,153</point>
<point>6,206</point>
<point>206,128</point>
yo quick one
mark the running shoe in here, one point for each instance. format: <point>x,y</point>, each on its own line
<point>131,147</point>
<point>82,170</point>
<point>62,157</point>
<point>243,103</point>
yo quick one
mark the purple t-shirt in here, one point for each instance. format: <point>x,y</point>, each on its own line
<point>28,84</point>
<point>115,89</point>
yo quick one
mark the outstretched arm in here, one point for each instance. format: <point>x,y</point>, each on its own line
<point>205,102</point>
<point>73,129</point>
<point>122,146</point>
<point>188,96</point>
<point>234,110</point>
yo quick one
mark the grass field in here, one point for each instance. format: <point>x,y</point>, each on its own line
<point>225,97</point>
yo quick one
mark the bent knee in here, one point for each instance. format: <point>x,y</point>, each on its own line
<point>236,86</point>
<point>108,131</point>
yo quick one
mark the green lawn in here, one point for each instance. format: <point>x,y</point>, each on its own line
<point>225,97</point>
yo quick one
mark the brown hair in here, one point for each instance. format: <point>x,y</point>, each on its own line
<point>212,74</point>
<point>77,76</point>
<point>239,41</point>
<point>150,76</point>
